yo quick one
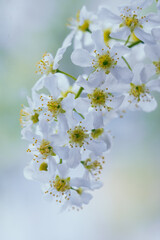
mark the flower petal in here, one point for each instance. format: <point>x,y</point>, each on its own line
<point>82,58</point>
<point>145,37</point>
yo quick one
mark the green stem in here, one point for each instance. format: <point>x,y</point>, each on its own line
<point>127,63</point>
<point>88,30</point>
<point>78,113</point>
<point>79,92</point>
<point>135,43</point>
<point>59,71</point>
<point>127,40</point>
<point>60,162</point>
<point>117,39</point>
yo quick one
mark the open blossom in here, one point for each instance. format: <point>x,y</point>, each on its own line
<point>146,3</point>
<point>67,125</point>
<point>48,63</point>
<point>72,192</point>
<point>29,116</point>
<point>82,27</point>
<point>103,59</point>
<point>77,135</point>
<point>153,53</point>
<point>129,21</point>
<point>137,94</point>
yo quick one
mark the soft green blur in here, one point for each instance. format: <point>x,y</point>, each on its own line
<point>127,207</point>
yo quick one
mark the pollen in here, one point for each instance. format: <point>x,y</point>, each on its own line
<point>61,184</point>
<point>78,136</point>
<point>43,167</point>
<point>35,118</point>
<point>46,149</point>
<point>79,191</point>
<point>96,133</point>
<point>157,66</point>
<point>138,91</point>
<point>98,98</point>
<point>94,167</point>
<point>85,26</point>
<point>130,19</point>
<point>104,62</point>
<point>54,106</point>
<point>45,65</point>
<point>106,35</point>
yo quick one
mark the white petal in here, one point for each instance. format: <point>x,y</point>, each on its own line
<point>39,84</point>
<point>154,85</point>
<point>105,15</point>
<point>86,197</point>
<point>138,70</point>
<point>123,33</point>
<point>122,74</point>
<point>98,39</point>
<point>156,33</point>
<point>67,42</point>
<point>153,52</point>
<point>82,58</point>
<point>148,106</point>
<point>98,119</point>
<point>62,152</point>
<point>116,102</point>
<point>82,105</point>
<point>51,83</point>
<point>74,158</point>
<point>97,147</point>
<point>120,50</point>
<point>145,37</point>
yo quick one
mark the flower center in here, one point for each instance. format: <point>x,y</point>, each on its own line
<point>104,61</point>
<point>61,184</point>
<point>85,26</point>
<point>35,118</point>
<point>96,133</point>
<point>45,65</point>
<point>130,19</point>
<point>77,136</point>
<point>91,166</point>
<point>106,36</point>
<point>157,65</point>
<point>43,167</point>
<point>46,149</point>
<point>54,106</point>
<point>98,98</point>
<point>138,90</point>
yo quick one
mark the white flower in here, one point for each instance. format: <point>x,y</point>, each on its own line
<point>43,145</point>
<point>71,192</point>
<point>153,52</point>
<point>156,34</point>
<point>40,170</point>
<point>76,134</point>
<point>130,21</point>
<point>137,94</point>
<point>29,116</point>
<point>93,166</point>
<point>105,59</point>
<point>49,64</point>
<point>82,27</point>
<point>83,21</point>
<point>145,3</point>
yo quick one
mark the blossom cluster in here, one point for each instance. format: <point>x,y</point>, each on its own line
<point>67,125</point>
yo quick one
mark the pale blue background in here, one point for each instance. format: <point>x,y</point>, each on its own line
<point>128,205</point>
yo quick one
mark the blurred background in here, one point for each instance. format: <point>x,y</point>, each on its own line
<point>128,205</point>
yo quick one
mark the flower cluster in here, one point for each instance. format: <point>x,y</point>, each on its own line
<point>67,125</point>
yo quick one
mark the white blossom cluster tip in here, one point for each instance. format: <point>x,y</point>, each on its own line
<point>67,125</point>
